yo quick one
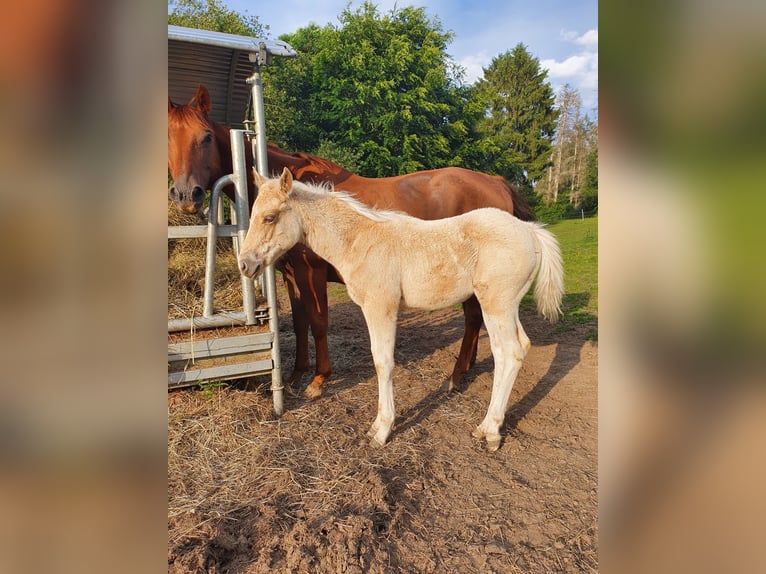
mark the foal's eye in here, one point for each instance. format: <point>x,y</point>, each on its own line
<point>207,139</point>
<point>269,219</point>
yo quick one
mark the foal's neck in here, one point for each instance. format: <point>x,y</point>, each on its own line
<point>330,226</point>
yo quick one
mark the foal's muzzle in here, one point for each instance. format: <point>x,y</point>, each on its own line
<point>249,265</point>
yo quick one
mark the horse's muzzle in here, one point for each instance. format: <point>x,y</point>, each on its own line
<point>249,265</point>
<point>185,201</point>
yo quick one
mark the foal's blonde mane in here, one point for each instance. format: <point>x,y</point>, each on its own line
<point>327,190</point>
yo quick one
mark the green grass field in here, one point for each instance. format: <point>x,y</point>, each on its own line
<point>579,247</point>
<point>578,239</point>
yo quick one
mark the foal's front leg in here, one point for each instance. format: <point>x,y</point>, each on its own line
<point>381,323</point>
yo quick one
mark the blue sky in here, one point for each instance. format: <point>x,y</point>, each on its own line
<point>562,34</point>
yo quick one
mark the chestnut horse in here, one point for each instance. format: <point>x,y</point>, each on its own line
<point>199,152</point>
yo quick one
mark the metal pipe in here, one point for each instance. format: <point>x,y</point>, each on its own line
<point>260,155</point>
<point>212,237</point>
<point>277,389</point>
<point>242,211</point>
<point>220,320</point>
<point>190,231</point>
<point>268,284</point>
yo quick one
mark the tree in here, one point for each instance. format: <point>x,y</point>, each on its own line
<point>213,15</point>
<point>519,116</point>
<point>381,85</point>
<point>589,193</point>
<point>576,137</point>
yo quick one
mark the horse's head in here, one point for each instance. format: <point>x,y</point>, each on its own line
<point>274,227</point>
<point>194,159</point>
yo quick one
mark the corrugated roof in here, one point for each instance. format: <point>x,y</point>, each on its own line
<point>220,61</point>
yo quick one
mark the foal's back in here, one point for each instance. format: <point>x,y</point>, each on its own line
<point>440,263</point>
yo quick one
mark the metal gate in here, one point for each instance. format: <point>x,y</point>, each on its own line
<point>229,66</point>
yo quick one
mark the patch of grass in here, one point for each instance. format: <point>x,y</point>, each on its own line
<point>208,388</point>
<point>336,290</point>
<point>578,239</point>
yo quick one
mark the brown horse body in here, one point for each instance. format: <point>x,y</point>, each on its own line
<point>199,153</point>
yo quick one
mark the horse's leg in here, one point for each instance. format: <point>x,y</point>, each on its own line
<point>509,345</point>
<point>467,357</point>
<point>300,323</point>
<point>319,319</point>
<point>381,323</point>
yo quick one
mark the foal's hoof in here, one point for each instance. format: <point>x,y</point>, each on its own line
<point>375,437</point>
<point>375,442</point>
<point>448,386</point>
<point>493,442</point>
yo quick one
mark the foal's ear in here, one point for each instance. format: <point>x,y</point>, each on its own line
<point>171,105</point>
<point>285,182</point>
<point>258,178</point>
<point>201,100</point>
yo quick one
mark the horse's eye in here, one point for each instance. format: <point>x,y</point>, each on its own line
<point>208,139</point>
<point>269,219</point>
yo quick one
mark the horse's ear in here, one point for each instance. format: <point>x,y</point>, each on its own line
<point>201,100</point>
<point>258,178</point>
<point>171,105</point>
<point>286,182</point>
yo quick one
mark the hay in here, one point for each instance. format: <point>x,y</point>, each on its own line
<point>186,272</point>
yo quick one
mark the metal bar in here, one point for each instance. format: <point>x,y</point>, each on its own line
<point>212,236</point>
<point>224,319</point>
<point>219,320</point>
<point>222,372</point>
<point>260,157</point>
<point>260,154</point>
<point>242,210</point>
<point>224,346</point>
<point>191,231</point>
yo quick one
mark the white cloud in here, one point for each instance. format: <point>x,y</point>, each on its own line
<point>580,70</point>
<point>589,40</point>
<point>474,65</point>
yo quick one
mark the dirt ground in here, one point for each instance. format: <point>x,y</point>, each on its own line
<point>307,493</point>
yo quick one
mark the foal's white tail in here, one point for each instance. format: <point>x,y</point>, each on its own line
<point>549,286</point>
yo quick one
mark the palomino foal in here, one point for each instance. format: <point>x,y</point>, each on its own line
<point>388,259</point>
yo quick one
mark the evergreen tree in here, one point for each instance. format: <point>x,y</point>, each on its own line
<point>520,118</point>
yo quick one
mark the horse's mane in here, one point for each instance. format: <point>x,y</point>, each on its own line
<point>320,163</point>
<point>327,190</point>
<point>316,164</point>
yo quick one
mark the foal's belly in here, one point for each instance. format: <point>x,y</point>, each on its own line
<point>433,293</point>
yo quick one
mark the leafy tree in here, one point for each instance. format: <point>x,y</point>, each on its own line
<point>589,199</point>
<point>383,86</point>
<point>213,15</point>
<point>520,117</point>
<point>336,153</point>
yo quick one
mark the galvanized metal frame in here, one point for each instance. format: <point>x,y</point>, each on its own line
<point>258,52</point>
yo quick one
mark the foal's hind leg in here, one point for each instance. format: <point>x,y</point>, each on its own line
<point>509,347</point>
<point>467,356</point>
